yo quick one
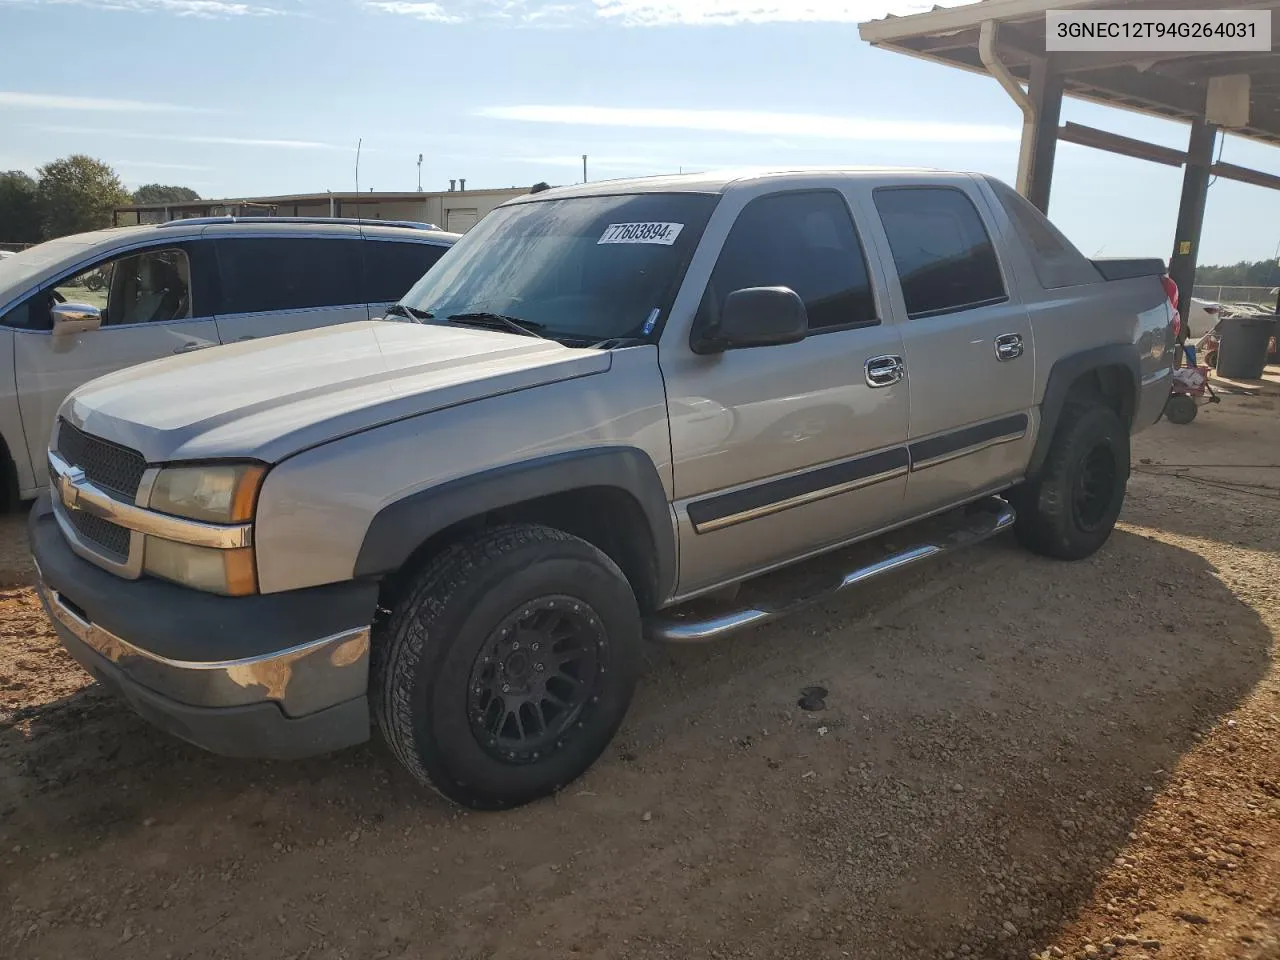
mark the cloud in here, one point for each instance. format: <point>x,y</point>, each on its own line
<point>431,12</point>
<point>156,165</point>
<point>202,9</point>
<point>757,123</point>
<point>663,13</point>
<point>198,138</point>
<point>646,13</point>
<point>56,101</point>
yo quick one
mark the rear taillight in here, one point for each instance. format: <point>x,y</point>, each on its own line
<point>1171,291</point>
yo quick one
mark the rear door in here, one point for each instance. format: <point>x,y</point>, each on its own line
<point>283,283</point>
<point>966,338</point>
<point>391,267</point>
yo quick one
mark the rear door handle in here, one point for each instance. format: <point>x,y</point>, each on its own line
<point>247,336</point>
<point>884,371</point>
<point>191,345</point>
<point>1008,346</point>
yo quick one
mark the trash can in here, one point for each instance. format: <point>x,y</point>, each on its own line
<point>1242,351</point>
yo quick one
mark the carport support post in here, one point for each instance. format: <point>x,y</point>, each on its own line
<point>1195,191</point>
<point>1045,91</point>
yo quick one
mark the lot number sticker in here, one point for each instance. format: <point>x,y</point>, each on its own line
<point>661,233</point>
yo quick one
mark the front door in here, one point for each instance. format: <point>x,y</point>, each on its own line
<point>152,306</point>
<point>967,343</point>
<point>283,284</point>
<point>780,450</point>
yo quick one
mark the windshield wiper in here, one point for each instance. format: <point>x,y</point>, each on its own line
<point>413,313</point>
<point>484,319</point>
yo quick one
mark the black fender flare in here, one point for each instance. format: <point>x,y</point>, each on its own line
<point>1066,371</point>
<point>400,528</point>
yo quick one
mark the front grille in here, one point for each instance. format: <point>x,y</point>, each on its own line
<point>114,468</point>
<point>110,539</point>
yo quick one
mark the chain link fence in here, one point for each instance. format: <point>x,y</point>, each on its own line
<point>1262,296</point>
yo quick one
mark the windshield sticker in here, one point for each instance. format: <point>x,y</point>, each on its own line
<point>661,233</point>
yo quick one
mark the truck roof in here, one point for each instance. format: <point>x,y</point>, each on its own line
<point>714,181</point>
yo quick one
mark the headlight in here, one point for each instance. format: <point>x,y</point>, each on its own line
<point>217,493</point>
<point>213,493</point>
<point>228,572</point>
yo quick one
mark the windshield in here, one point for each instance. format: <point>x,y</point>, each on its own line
<point>583,269</point>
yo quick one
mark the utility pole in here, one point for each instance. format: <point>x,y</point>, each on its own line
<point>584,168</point>
<point>419,173</point>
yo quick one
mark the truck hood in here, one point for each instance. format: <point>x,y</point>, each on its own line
<point>271,398</point>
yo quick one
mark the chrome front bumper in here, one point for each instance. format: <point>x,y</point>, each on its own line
<point>301,680</point>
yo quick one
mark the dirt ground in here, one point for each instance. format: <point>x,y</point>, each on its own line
<point>1016,757</point>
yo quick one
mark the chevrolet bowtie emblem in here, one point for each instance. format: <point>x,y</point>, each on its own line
<point>69,488</point>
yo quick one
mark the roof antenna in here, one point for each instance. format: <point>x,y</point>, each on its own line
<point>359,143</point>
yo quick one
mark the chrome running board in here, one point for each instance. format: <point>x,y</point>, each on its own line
<point>695,622</point>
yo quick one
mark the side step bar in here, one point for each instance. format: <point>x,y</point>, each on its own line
<point>971,525</point>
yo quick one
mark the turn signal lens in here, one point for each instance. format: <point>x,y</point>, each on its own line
<point>231,573</point>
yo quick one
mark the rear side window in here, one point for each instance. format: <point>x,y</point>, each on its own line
<point>283,273</point>
<point>1056,262</point>
<point>392,267</point>
<point>805,241</point>
<point>944,256</point>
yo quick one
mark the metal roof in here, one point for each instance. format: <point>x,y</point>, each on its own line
<point>1165,84</point>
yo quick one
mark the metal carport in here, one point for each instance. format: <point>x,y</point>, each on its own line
<point>1213,92</point>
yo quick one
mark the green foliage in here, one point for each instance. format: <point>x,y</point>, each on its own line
<point>1246,273</point>
<point>19,208</point>
<point>159,193</point>
<point>77,194</point>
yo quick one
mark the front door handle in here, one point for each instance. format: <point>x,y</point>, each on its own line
<point>1008,346</point>
<point>247,336</point>
<point>191,345</point>
<point>884,371</point>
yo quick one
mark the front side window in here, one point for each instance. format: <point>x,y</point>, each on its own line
<point>581,269</point>
<point>804,241</point>
<point>391,267</point>
<point>262,274</point>
<point>151,286</point>
<point>944,256</point>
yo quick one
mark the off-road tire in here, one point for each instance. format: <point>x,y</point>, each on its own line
<point>1052,520</point>
<point>450,613</point>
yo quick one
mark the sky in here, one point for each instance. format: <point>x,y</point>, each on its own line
<point>255,97</point>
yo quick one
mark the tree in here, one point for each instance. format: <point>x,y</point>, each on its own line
<point>159,193</point>
<point>19,208</point>
<point>78,193</point>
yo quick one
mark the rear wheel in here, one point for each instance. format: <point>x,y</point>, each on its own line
<point>507,666</point>
<point>1069,511</point>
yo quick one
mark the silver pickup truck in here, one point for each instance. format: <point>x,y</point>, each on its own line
<point>610,412</point>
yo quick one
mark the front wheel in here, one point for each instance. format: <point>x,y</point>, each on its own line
<point>1069,511</point>
<point>507,666</point>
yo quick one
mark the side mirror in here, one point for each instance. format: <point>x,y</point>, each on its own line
<point>761,317</point>
<point>71,318</point>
